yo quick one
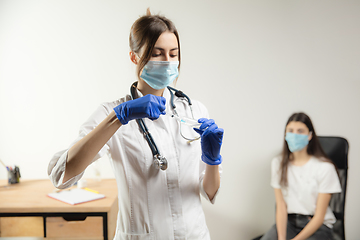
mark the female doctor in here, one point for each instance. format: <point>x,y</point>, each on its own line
<point>158,187</point>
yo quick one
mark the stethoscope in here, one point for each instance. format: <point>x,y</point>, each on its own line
<point>160,161</point>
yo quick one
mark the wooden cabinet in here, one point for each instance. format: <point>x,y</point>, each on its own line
<point>56,228</point>
<point>24,206</point>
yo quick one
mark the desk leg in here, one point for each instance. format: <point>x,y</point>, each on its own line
<point>105,226</point>
<point>44,219</point>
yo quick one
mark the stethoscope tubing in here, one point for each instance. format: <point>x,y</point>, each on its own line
<point>160,162</point>
<point>148,137</point>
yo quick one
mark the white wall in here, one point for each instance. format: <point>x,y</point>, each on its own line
<point>253,63</point>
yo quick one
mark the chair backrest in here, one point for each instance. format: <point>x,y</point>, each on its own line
<point>336,148</point>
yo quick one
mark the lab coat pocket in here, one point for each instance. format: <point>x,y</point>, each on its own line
<point>126,236</point>
<point>201,229</point>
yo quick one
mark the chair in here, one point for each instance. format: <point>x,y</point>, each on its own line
<point>336,148</point>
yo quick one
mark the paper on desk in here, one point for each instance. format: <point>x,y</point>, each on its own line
<point>76,196</point>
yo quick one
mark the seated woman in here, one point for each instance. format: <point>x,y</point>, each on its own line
<point>303,179</point>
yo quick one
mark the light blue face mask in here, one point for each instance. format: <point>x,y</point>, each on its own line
<point>296,142</point>
<point>160,74</point>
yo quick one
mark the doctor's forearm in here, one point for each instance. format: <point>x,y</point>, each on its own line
<point>83,152</point>
<point>211,182</point>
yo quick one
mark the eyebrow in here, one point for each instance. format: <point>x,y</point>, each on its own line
<point>161,49</point>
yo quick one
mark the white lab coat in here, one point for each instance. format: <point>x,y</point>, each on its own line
<point>153,204</point>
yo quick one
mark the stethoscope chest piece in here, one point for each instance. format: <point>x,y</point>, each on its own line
<point>160,162</point>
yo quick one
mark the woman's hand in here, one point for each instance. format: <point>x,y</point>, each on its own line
<point>211,140</point>
<point>318,219</point>
<point>149,106</point>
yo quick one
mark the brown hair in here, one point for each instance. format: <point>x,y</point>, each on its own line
<point>145,32</point>
<point>314,148</point>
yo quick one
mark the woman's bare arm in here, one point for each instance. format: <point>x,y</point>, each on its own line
<point>83,152</point>
<point>281,214</point>
<point>211,182</point>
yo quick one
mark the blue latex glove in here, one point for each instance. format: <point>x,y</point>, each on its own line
<point>148,106</point>
<point>211,140</point>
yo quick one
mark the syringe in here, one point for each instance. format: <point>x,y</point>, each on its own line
<point>187,121</point>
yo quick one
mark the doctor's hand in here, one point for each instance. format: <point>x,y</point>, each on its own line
<point>148,106</point>
<point>211,140</point>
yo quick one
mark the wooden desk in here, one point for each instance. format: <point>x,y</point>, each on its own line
<point>29,198</point>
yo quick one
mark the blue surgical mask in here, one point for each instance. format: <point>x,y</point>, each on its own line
<point>160,74</point>
<point>296,142</point>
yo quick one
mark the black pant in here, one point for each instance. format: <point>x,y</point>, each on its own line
<point>295,224</point>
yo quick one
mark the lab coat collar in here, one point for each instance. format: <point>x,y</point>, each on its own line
<point>166,94</point>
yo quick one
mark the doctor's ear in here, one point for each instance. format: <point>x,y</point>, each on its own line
<point>133,57</point>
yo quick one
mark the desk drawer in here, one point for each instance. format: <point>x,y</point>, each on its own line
<point>59,227</point>
<point>21,226</point>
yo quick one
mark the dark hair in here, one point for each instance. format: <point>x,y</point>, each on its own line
<point>314,148</point>
<point>145,32</point>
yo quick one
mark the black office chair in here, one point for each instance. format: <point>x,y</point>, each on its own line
<point>336,148</point>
